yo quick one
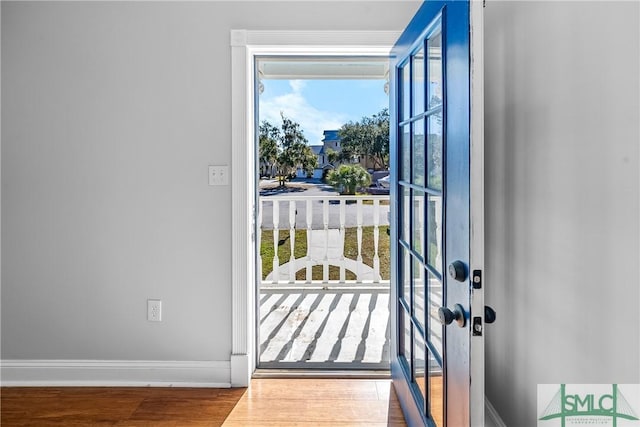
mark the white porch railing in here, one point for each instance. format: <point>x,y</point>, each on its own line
<point>325,219</point>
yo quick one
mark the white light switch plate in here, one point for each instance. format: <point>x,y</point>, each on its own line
<point>218,175</point>
<point>154,310</point>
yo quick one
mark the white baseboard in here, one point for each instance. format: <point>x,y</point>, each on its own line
<point>115,373</point>
<point>492,418</point>
<point>240,370</point>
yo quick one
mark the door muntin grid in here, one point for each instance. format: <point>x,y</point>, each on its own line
<point>421,109</point>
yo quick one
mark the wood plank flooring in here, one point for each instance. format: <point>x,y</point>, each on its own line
<point>307,328</point>
<point>318,402</point>
<point>268,402</point>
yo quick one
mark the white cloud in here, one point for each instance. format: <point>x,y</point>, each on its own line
<point>297,85</point>
<point>296,107</point>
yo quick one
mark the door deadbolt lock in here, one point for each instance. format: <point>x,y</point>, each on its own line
<point>447,316</point>
<point>458,271</point>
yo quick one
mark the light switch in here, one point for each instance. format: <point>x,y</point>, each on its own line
<point>218,175</point>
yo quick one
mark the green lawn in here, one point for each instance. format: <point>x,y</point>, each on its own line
<point>350,251</point>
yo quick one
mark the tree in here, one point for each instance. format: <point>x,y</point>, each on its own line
<point>332,156</point>
<point>367,138</point>
<point>309,161</point>
<point>348,178</point>
<point>268,148</point>
<point>285,148</point>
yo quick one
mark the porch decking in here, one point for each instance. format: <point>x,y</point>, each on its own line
<point>345,327</point>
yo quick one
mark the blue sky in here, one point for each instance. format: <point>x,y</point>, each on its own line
<point>320,105</point>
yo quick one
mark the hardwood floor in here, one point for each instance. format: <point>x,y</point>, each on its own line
<point>268,402</point>
<point>318,402</point>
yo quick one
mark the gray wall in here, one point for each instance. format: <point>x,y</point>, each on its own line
<point>112,112</point>
<point>562,137</point>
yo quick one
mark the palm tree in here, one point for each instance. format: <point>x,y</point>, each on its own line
<point>348,178</point>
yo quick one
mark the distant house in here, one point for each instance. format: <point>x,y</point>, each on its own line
<point>331,141</point>
<point>318,150</point>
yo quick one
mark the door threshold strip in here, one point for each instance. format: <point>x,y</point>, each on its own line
<point>324,373</point>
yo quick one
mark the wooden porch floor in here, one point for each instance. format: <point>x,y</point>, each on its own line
<point>340,328</point>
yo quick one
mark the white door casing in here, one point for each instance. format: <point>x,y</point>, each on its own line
<point>245,46</point>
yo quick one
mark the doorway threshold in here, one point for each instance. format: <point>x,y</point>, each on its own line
<point>324,373</point>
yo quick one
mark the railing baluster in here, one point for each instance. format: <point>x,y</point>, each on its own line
<point>343,275</point>
<point>292,240</point>
<point>376,238</point>
<point>325,221</point>
<point>276,239</point>
<point>309,224</point>
<point>359,224</point>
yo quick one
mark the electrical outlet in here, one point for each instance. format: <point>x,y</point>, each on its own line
<point>154,310</point>
<point>218,175</point>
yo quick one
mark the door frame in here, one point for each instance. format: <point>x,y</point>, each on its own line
<point>476,203</point>
<point>245,46</point>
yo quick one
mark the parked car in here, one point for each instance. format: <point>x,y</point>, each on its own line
<point>384,182</point>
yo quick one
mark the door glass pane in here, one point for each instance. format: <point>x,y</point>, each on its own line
<point>405,275</point>
<point>434,47</point>
<point>434,232</point>
<point>434,151</point>
<point>417,239</point>
<point>418,153</point>
<point>436,402</point>
<point>405,213</point>
<point>419,275</point>
<point>405,345</point>
<point>435,301</point>
<point>405,76</point>
<point>417,82</point>
<point>419,365</point>
<point>405,153</point>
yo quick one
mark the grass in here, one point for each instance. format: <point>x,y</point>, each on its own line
<point>383,202</point>
<point>350,251</point>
